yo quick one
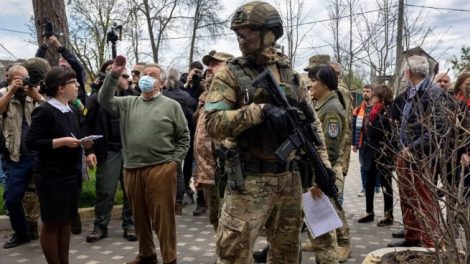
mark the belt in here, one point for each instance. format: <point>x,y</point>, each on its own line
<point>260,167</point>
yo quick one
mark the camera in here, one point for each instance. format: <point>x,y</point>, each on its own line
<point>27,82</point>
<point>196,79</point>
<point>115,33</point>
<point>49,29</point>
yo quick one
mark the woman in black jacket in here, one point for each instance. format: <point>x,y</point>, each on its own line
<point>52,133</point>
<point>377,154</point>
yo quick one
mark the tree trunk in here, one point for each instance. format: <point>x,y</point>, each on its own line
<point>193,36</point>
<point>351,53</point>
<point>52,11</point>
<point>150,28</point>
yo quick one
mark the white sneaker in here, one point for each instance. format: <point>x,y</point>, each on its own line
<point>362,193</point>
<point>378,193</point>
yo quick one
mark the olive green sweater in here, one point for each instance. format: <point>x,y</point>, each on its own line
<point>152,132</point>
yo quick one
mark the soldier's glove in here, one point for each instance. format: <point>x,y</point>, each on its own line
<point>276,118</point>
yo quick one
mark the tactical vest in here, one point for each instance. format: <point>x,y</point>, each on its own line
<point>259,142</point>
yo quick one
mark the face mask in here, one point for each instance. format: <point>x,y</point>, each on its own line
<point>146,83</point>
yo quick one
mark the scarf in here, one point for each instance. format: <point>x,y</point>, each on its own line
<point>461,97</point>
<point>375,112</point>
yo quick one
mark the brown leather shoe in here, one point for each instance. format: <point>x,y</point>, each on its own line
<point>152,259</point>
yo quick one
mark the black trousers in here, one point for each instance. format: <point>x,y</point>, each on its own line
<point>376,170</point>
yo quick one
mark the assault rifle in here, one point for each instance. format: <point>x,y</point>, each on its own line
<point>304,134</point>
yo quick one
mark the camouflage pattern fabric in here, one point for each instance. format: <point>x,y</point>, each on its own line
<point>343,89</point>
<point>213,203</point>
<point>31,203</point>
<point>222,117</point>
<point>204,171</point>
<point>325,248</point>
<point>333,118</point>
<point>273,201</point>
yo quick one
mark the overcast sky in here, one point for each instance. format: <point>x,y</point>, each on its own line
<point>449,26</point>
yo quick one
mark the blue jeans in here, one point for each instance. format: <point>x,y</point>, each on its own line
<point>364,173</point>
<point>18,177</point>
<point>3,177</point>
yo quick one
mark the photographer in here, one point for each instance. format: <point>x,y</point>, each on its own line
<point>192,84</point>
<point>67,59</point>
<point>17,102</point>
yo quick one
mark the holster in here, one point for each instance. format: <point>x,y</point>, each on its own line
<point>234,171</point>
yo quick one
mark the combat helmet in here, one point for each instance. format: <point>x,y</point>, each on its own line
<point>258,15</point>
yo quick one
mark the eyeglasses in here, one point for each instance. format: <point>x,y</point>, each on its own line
<point>71,81</point>
<point>125,76</point>
<point>135,73</point>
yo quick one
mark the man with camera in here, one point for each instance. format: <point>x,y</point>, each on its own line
<point>192,85</point>
<point>68,59</point>
<point>17,102</point>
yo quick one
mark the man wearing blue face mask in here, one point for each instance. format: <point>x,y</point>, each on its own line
<point>155,139</point>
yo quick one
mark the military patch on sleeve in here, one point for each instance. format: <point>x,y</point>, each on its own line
<point>85,111</point>
<point>333,129</point>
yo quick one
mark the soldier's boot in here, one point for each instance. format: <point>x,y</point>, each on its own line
<point>308,246</point>
<point>343,252</point>
<point>261,256</point>
<point>33,230</point>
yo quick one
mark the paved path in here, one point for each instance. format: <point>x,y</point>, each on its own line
<point>196,236</point>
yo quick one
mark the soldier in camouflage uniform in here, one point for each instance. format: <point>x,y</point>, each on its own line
<point>344,90</point>
<point>331,112</point>
<point>204,173</point>
<point>271,194</point>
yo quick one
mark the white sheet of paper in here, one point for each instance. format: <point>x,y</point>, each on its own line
<point>320,215</point>
<point>91,137</point>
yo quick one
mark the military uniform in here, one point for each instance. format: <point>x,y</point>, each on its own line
<point>271,192</point>
<point>333,117</point>
<point>340,161</point>
<point>348,100</point>
<point>203,149</point>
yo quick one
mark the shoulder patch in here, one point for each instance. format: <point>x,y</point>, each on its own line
<point>333,129</point>
<point>85,111</point>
